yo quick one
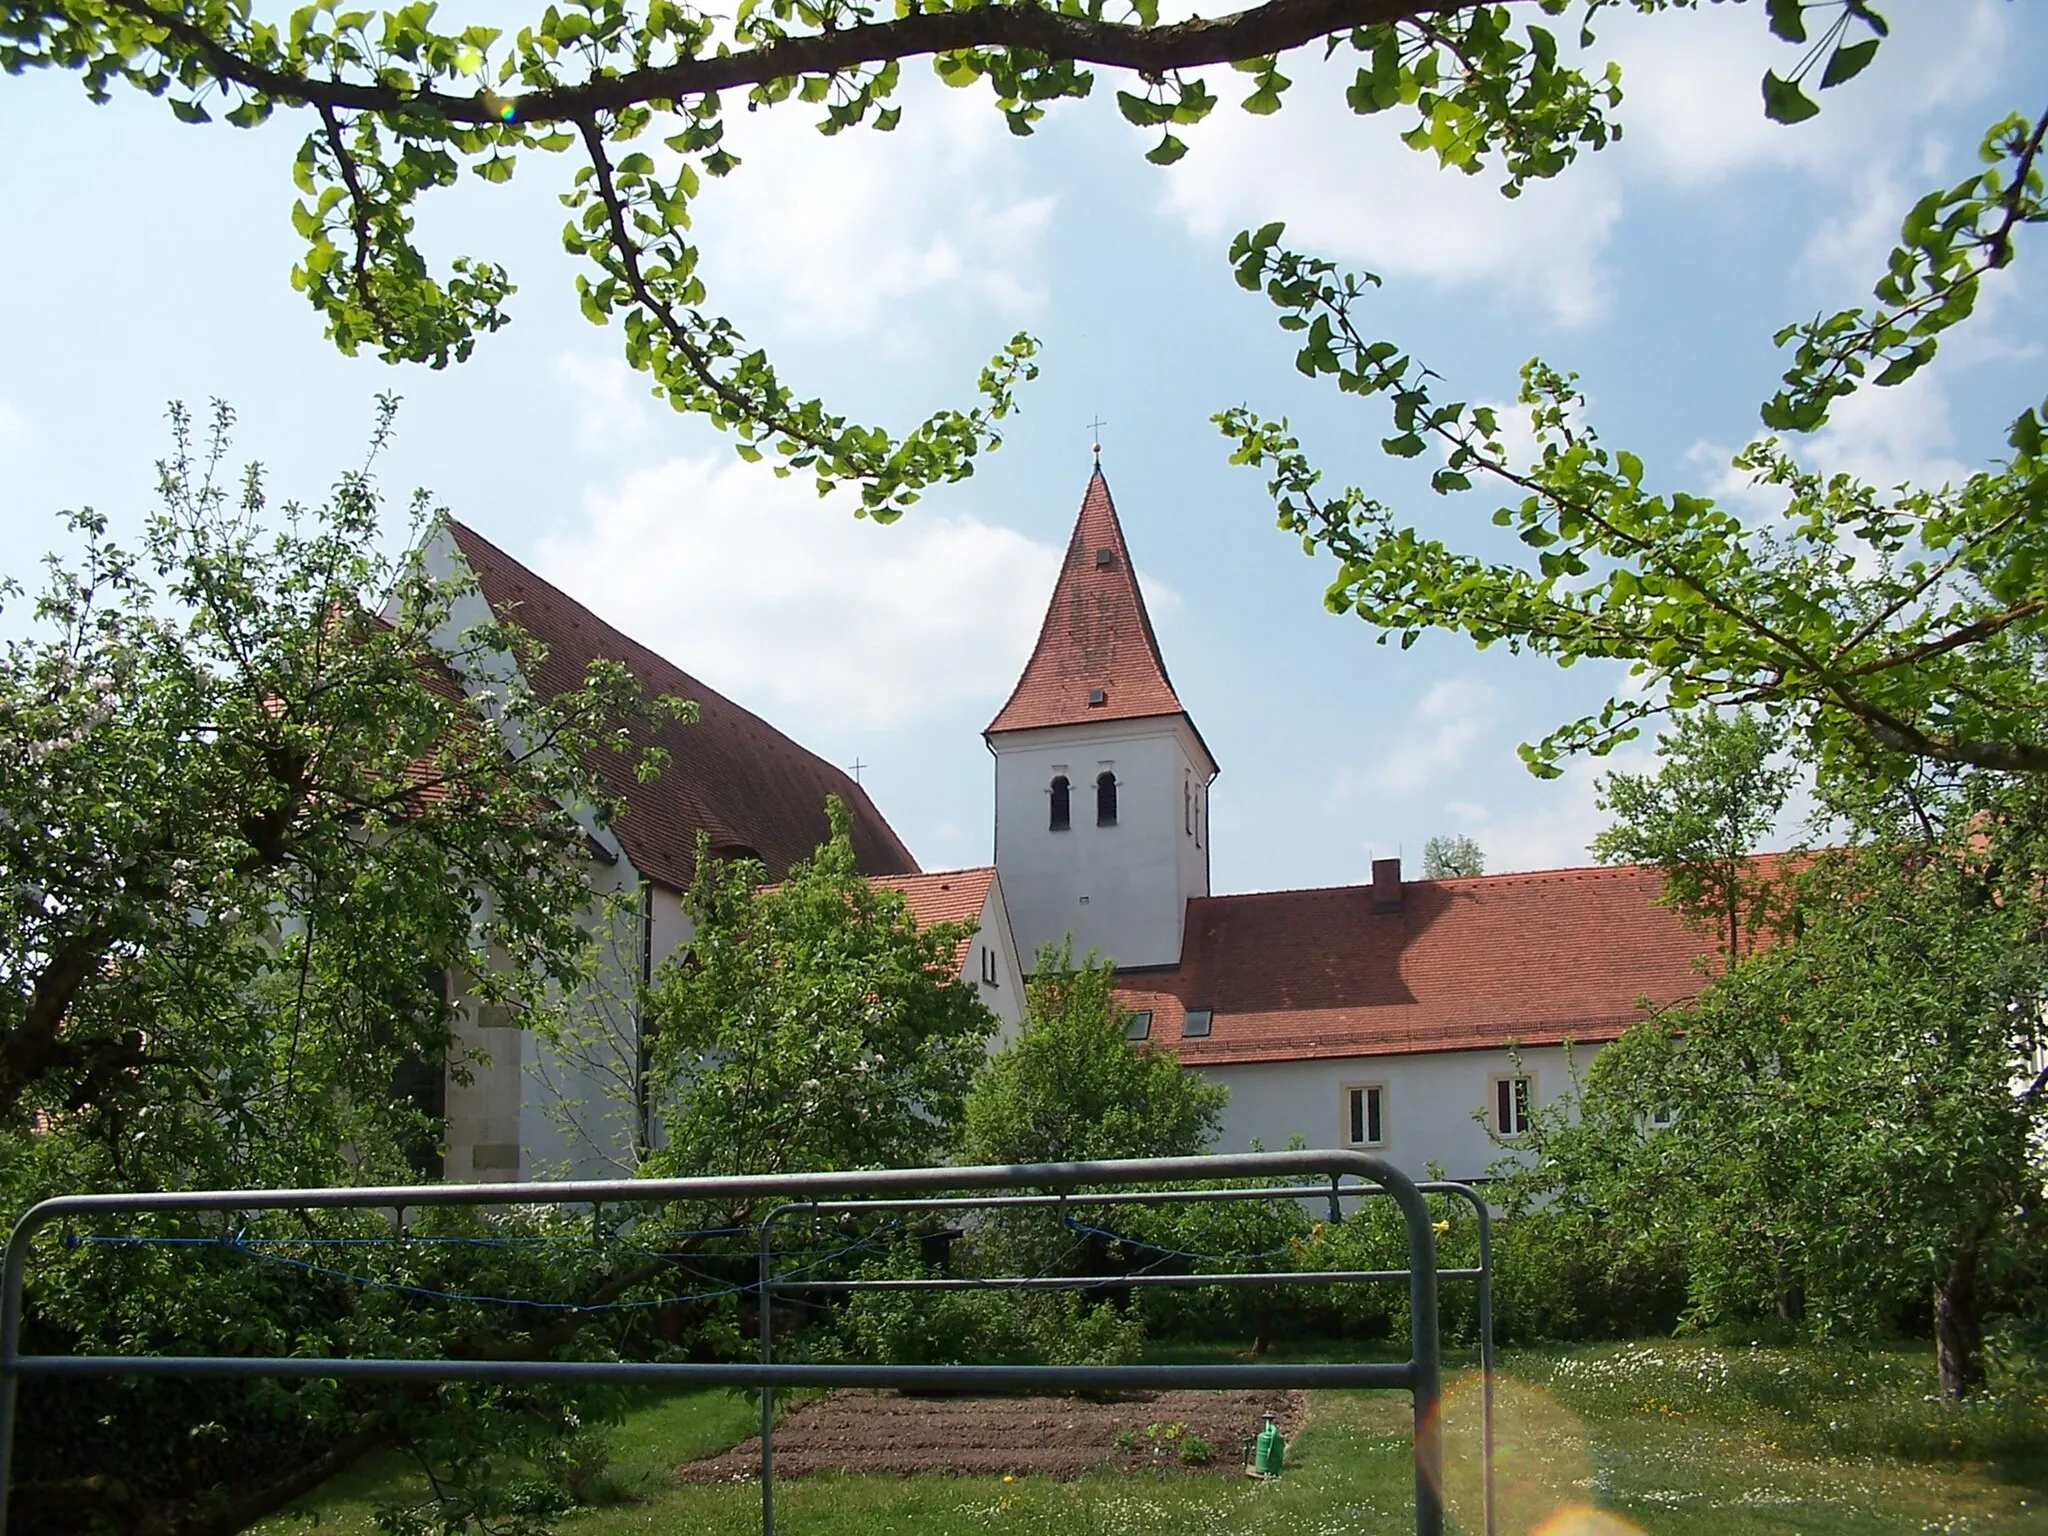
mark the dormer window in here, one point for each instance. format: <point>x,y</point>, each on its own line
<point>1062,803</point>
<point>1105,799</point>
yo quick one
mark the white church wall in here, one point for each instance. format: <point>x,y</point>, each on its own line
<point>1119,890</point>
<point>1428,1108</point>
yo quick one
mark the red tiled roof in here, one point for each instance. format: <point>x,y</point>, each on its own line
<point>1096,637</point>
<point>944,896</point>
<point>1533,959</point>
<point>731,774</point>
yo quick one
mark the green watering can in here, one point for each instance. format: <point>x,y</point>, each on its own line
<point>1268,1451</point>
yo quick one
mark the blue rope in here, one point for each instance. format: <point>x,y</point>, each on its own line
<point>251,1248</point>
<point>1173,1253</point>
<point>373,1283</point>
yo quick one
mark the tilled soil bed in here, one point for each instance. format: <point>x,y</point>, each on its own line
<point>882,1432</point>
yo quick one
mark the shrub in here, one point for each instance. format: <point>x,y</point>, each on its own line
<point>986,1327</point>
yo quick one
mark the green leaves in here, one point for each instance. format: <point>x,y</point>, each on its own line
<point>813,1025</point>
<point>1070,1087</point>
<point>1948,240</point>
<point>1834,1126</point>
<point>1847,62</point>
<point>1885,628</point>
<point>1785,102</point>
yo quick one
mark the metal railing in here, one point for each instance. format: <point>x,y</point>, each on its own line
<point>1420,1375</point>
<point>768,1283</point>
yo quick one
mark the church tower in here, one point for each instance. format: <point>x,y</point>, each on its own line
<point>1102,780</point>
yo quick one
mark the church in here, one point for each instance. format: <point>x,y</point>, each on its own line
<point>1423,1020</point>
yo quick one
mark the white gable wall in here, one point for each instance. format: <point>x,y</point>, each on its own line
<point>994,951</point>
<point>1122,890</point>
<point>1431,1099</point>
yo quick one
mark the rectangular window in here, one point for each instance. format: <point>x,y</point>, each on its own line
<point>1511,1098</point>
<point>988,966</point>
<point>1195,1024</point>
<point>1663,1117</point>
<point>1139,1026</point>
<point>1365,1114</point>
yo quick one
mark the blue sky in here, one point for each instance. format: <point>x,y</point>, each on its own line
<point>147,261</point>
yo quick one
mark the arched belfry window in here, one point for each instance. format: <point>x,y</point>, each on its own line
<point>1105,800</point>
<point>1062,804</point>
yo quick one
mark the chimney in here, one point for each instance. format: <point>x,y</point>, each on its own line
<point>1386,885</point>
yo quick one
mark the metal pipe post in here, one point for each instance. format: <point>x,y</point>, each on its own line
<point>764,1290</point>
<point>12,1270</point>
<point>1425,1361</point>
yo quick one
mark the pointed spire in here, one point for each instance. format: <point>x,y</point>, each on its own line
<point>1096,658</point>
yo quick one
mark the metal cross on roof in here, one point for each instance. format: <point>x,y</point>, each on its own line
<point>855,767</point>
<point>1095,427</point>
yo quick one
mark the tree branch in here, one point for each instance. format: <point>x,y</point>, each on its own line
<point>1275,27</point>
<point>629,268</point>
<point>359,213</point>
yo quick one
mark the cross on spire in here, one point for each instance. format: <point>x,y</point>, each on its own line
<point>855,767</point>
<point>1095,427</point>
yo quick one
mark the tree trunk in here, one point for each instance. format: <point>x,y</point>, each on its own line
<point>1958,1325</point>
<point>1792,1302</point>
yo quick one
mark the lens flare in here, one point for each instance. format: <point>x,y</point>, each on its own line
<point>1584,1520</point>
<point>1542,1463</point>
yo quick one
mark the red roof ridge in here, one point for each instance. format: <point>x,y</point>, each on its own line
<point>1504,877</point>
<point>1562,870</point>
<point>1097,657</point>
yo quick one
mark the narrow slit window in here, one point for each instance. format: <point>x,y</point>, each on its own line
<point>988,966</point>
<point>1105,800</point>
<point>1187,808</point>
<point>1062,803</point>
<point>1366,1108</point>
<point>1511,1105</point>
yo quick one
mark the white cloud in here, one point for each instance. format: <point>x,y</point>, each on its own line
<point>856,235</point>
<point>1349,189</point>
<point>1849,248</point>
<point>14,433</point>
<point>1692,83</point>
<point>1692,111</point>
<point>611,400</point>
<point>1450,718</point>
<point>1883,437</point>
<point>1890,437</point>
<point>793,607</point>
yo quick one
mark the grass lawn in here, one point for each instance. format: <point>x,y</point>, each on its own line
<point>1671,1439</point>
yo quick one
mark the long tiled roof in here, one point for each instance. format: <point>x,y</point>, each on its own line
<point>1530,959</point>
<point>945,896</point>
<point>731,774</point>
<point>1097,637</point>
